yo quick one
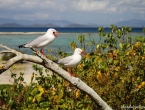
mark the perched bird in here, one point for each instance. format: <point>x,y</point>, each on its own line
<point>42,41</point>
<point>71,61</point>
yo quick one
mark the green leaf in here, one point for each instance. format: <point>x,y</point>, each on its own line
<point>21,73</point>
<point>45,104</point>
<point>79,105</point>
<point>29,100</point>
<point>40,71</point>
<point>100,29</point>
<point>35,67</point>
<point>110,61</point>
<point>121,45</point>
<point>38,98</point>
<point>98,46</point>
<point>116,62</point>
<point>34,91</point>
<point>60,95</point>
<point>10,103</point>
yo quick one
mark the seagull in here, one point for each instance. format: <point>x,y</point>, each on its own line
<point>71,61</point>
<point>42,41</point>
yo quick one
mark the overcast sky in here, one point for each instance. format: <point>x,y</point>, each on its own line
<point>79,11</point>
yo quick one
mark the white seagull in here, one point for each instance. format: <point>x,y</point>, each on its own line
<point>73,60</point>
<point>42,41</point>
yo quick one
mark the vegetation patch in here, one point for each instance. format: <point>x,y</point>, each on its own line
<point>114,67</point>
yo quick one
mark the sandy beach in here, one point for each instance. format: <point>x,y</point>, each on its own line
<point>26,68</point>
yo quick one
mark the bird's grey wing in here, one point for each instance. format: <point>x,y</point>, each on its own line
<point>65,60</point>
<point>36,42</point>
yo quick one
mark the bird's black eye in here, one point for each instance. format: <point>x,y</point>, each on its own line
<point>53,32</point>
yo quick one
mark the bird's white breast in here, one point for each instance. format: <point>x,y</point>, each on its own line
<point>74,62</point>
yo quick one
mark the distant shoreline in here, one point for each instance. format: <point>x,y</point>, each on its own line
<point>29,33</point>
<point>32,33</point>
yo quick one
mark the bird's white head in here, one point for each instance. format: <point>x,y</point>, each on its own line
<point>79,51</point>
<point>53,32</point>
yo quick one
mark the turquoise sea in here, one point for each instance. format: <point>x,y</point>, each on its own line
<point>63,40</point>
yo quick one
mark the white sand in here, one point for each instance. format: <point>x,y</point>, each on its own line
<point>26,68</point>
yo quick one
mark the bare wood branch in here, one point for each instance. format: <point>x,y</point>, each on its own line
<point>19,56</point>
<point>42,60</point>
<point>5,51</point>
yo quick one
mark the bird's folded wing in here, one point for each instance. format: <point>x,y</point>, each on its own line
<point>37,41</point>
<point>65,60</point>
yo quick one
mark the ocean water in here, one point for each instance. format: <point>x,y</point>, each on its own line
<point>63,41</point>
<point>60,29</point>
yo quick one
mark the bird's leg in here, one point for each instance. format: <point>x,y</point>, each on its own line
<point>36,52</point>
<point>67,69</point>
<point>42,51</point>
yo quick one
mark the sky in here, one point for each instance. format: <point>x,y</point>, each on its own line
<point>78,11</point>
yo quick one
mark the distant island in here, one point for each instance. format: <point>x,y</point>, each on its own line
<point>8,22</point>
<point>44,25</point>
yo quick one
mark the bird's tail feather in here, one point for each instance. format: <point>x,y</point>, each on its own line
<point>55,61</point>
<point>22,46</point>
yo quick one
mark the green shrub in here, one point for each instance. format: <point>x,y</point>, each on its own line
<point>115,69</point>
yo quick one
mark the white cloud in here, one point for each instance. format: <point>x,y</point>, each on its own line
<point>100,6</point>
<point>111,6</point>
<point>26,4</point>
<point>8,2</point>
<point>85,5</point>
<point>124,6</point>
<point>112,9</point>
<point>77,10</point>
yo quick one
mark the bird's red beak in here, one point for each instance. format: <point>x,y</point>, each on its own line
<point>56,33</point>
<point>83,52</point>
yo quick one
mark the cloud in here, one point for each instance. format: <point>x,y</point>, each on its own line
<point>124,6</point>
<point>112,6</point>
<point>86,5</point>
<point>74,10</point>
<point>4,3</point>
<point>26,4</point>
<point>102,6</point>
<point>30,9</point>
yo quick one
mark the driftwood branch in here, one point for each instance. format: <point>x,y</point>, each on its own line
<point>42,60</point>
